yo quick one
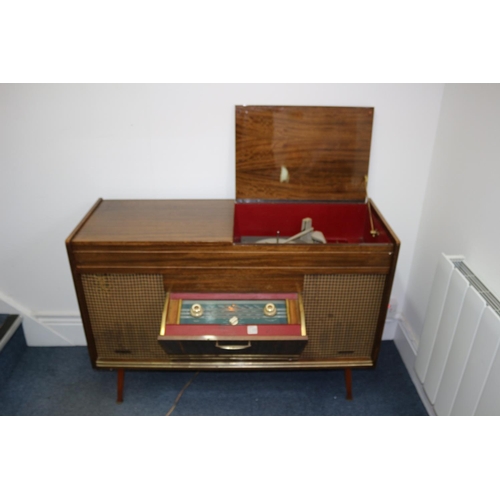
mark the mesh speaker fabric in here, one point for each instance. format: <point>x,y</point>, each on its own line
<point>125,313</point>
<point>341,313</point>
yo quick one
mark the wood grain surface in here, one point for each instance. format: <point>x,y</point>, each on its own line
<point>148,221</point>
<point>326,151</point>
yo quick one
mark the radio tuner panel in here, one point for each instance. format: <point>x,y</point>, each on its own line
<point>233,324</point>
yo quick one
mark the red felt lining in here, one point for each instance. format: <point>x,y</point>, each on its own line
<point>240,331</point>
<point>339,222</point>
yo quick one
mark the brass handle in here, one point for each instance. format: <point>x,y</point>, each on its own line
<point>233,347</point>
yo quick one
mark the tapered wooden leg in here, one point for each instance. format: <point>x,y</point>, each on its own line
<point>120,382</point>
<point>348,383</point>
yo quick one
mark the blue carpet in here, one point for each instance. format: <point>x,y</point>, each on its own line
<point>61,381</point>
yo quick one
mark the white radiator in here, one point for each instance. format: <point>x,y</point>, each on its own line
<point>458,358</point>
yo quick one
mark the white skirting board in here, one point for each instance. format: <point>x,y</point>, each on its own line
<point>65,330</point>
<point>44,330</point>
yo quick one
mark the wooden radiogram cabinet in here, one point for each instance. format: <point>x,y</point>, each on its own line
<point>298,170</point>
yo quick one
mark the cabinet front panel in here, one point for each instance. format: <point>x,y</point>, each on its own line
<point>125,313</point>
<point>373,257</point>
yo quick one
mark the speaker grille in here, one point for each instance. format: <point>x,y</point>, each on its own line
<point>341,312</point>
<point>125,314</point>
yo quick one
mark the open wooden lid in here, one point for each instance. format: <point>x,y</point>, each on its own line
<point>302,152</point>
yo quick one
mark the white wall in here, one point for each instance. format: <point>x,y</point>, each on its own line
<point>462,203</point>
<point>63,146</point>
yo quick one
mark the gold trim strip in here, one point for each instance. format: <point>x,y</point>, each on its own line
<point>179,309</point>
<point>288,318</point>
<point>164,315</point>
<point>227,365</point>
<point>302,317</point>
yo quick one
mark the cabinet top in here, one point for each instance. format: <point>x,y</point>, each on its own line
<point>157,221</point>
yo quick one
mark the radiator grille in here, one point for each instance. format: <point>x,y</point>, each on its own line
<point>458,358</point>
<point>341,313</point>
<point>477,284</point>
<point>125,314</point>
